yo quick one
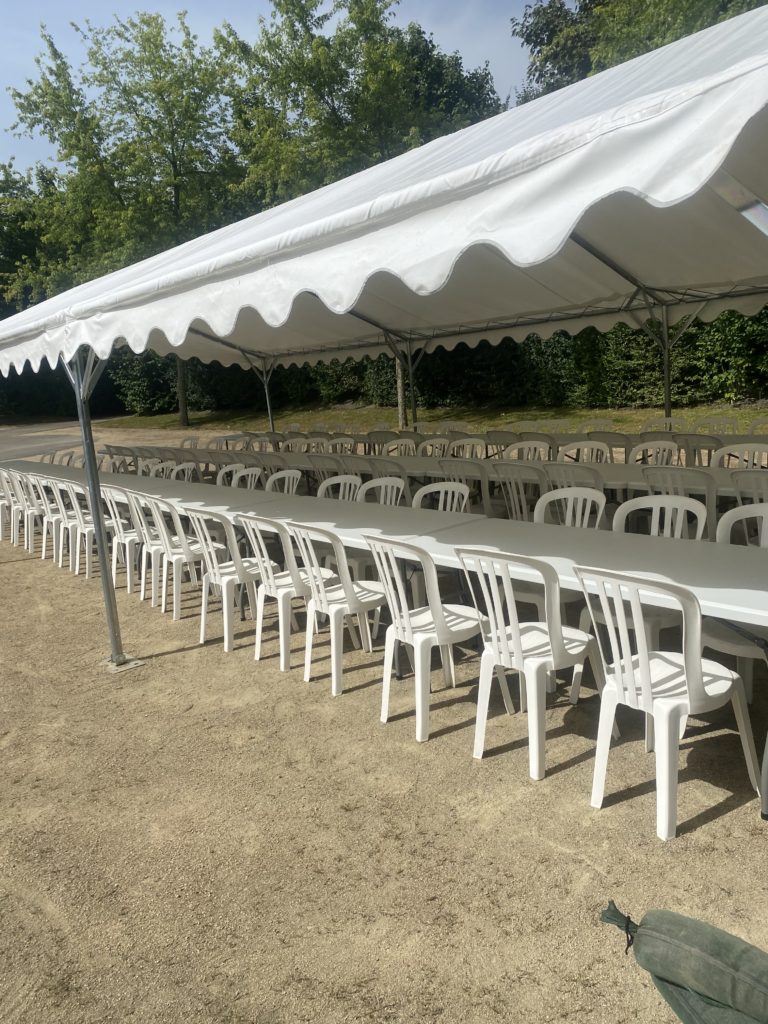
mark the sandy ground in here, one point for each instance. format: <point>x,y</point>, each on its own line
<point>205,839</point>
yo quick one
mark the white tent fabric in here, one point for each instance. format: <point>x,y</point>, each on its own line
<point>639,185</point>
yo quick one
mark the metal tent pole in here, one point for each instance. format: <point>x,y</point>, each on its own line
<point>266,375</point>
<point>83,375</point>
<point>412,390</point>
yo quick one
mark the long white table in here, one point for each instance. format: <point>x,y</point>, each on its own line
<point>729,581</point>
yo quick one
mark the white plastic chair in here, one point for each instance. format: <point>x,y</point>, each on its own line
<point>125,538</point>
<point>717,634</point>
<point>573,474</point>
<point>446,496</point>
<point>533,649</point>
<point>341,488</point>
<point>697,449</point>
<point>434,446</point>
<point>750,455</point>
<point>521,485</point>
<point>337,597</point>
<point>751,485</point>
<point>224,477</point>
<point>51,520</point>
<point>383,490</point>
<point>421,627</point>
<point>187,471</point>
<point>249,477</point>
<point>179,552</point>
<point>82,531</point>
<point>584,451</point>
<point>666,685</point>
<point>688,483</point>
<point>281,585</point>
<point>382,467</point>
<point>472,447</point>
<point>528,451</point>
<point>654,452</point>
<point>474,474</point>
<point>224,567</point>
<point>284,480</point>
<point>571,506</point>
<point>669,515</point>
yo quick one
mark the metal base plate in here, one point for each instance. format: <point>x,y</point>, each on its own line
<point>129,663</point>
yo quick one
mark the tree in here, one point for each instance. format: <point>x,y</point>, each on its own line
<point>316,105</point>
<point>567,43</point>
<point>142,131</point>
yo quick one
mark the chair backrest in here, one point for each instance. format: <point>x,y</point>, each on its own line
<point>189,442</point>
<point>468,448</point>
<point>755,515</point>
<point>435,446</point>
<point>343,487</point>
<point>390,557</point>
<point>185,471</point>
<point>400,446</point>
<point>697,449</point>
<point>654,452</point>
<point>669,515</point>
<point>81,502</point>
<point>309,542</point>
<point>585,451</point>
<point>376,439</point>
<point>258,530</point>
<point>474,474</point>
<point>527,451</point>
<point>540,437</point>
<point>118,510</point>
<point>719,425</point>
<point>750,455</point>
<point>751,485</point>
<point>521,483</point>
<point>687,483</point>
<point>384,490</point>
<point>759,426</point>
<point>344,445</point>
<point>499,441</point>
<point>224,477</point>
<point>169,527</point>
<point>571,506</point>
<point>444,496</point>
<point>617,603</point>
<point>573,474</point>
<point>145,465</point>
<point>354,465</point>
<point>284,480</point>
<point>325,466</point>
<point>616,441</point>
<point>492,578</point>
<point>208,528</point>
<point>249,477</point>
<point>390,467</point>
<point>163,469</point>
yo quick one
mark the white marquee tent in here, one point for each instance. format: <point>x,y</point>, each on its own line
<point>635,193</point>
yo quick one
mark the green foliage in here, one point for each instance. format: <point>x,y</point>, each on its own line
<point>567,42</point>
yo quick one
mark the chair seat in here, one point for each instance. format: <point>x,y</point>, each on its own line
<point>534,637</point>
<point>667,671</point>
<point>460,619</point>
<point>368,593</point>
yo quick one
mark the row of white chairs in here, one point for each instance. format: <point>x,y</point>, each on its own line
<point>667,685</point>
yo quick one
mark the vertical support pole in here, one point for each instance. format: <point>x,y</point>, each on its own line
<point>665,351</point>
<point>80,385</point>
<point>411,387</point>
<point>265,375</point>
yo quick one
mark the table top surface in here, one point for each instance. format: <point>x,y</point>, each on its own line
<point>728,580</point>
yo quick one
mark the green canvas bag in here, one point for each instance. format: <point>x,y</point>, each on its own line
<point>705,974</point>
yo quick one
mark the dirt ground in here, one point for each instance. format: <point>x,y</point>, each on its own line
<point>206,839</point>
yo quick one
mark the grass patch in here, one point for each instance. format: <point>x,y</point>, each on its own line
<point>361,418</point>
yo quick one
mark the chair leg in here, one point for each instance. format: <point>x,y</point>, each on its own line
<point>365,631</point>
<point>178,574</point>
<point>536,689</point>
<point>228,607</point>
<point>311,624</point>
<point>284,618</point>
<point>164,585</point>
<point>739,701</point>
<point>203,606</point>
<point>746,669</point>
<point>389,654</point>
<point>604,730</point>
<point>449,669</point>
<point>483,699</point>
<point>261,596</point>
<point>501,675</point>
<point>337,650</point>
<point>422,657</point>
<point>667,727</point>
<point>650,737</point>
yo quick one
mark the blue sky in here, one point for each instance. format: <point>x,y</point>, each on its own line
<point>478,29</point>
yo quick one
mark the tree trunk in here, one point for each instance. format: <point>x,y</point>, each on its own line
<point>402,412</point>
<point>181,392</point>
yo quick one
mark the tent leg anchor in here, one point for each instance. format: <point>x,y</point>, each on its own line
<point>115,667</point>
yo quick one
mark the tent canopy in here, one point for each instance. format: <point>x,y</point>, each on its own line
<point>638,188</point>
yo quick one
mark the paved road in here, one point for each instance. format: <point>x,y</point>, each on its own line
<point>37,439</point>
